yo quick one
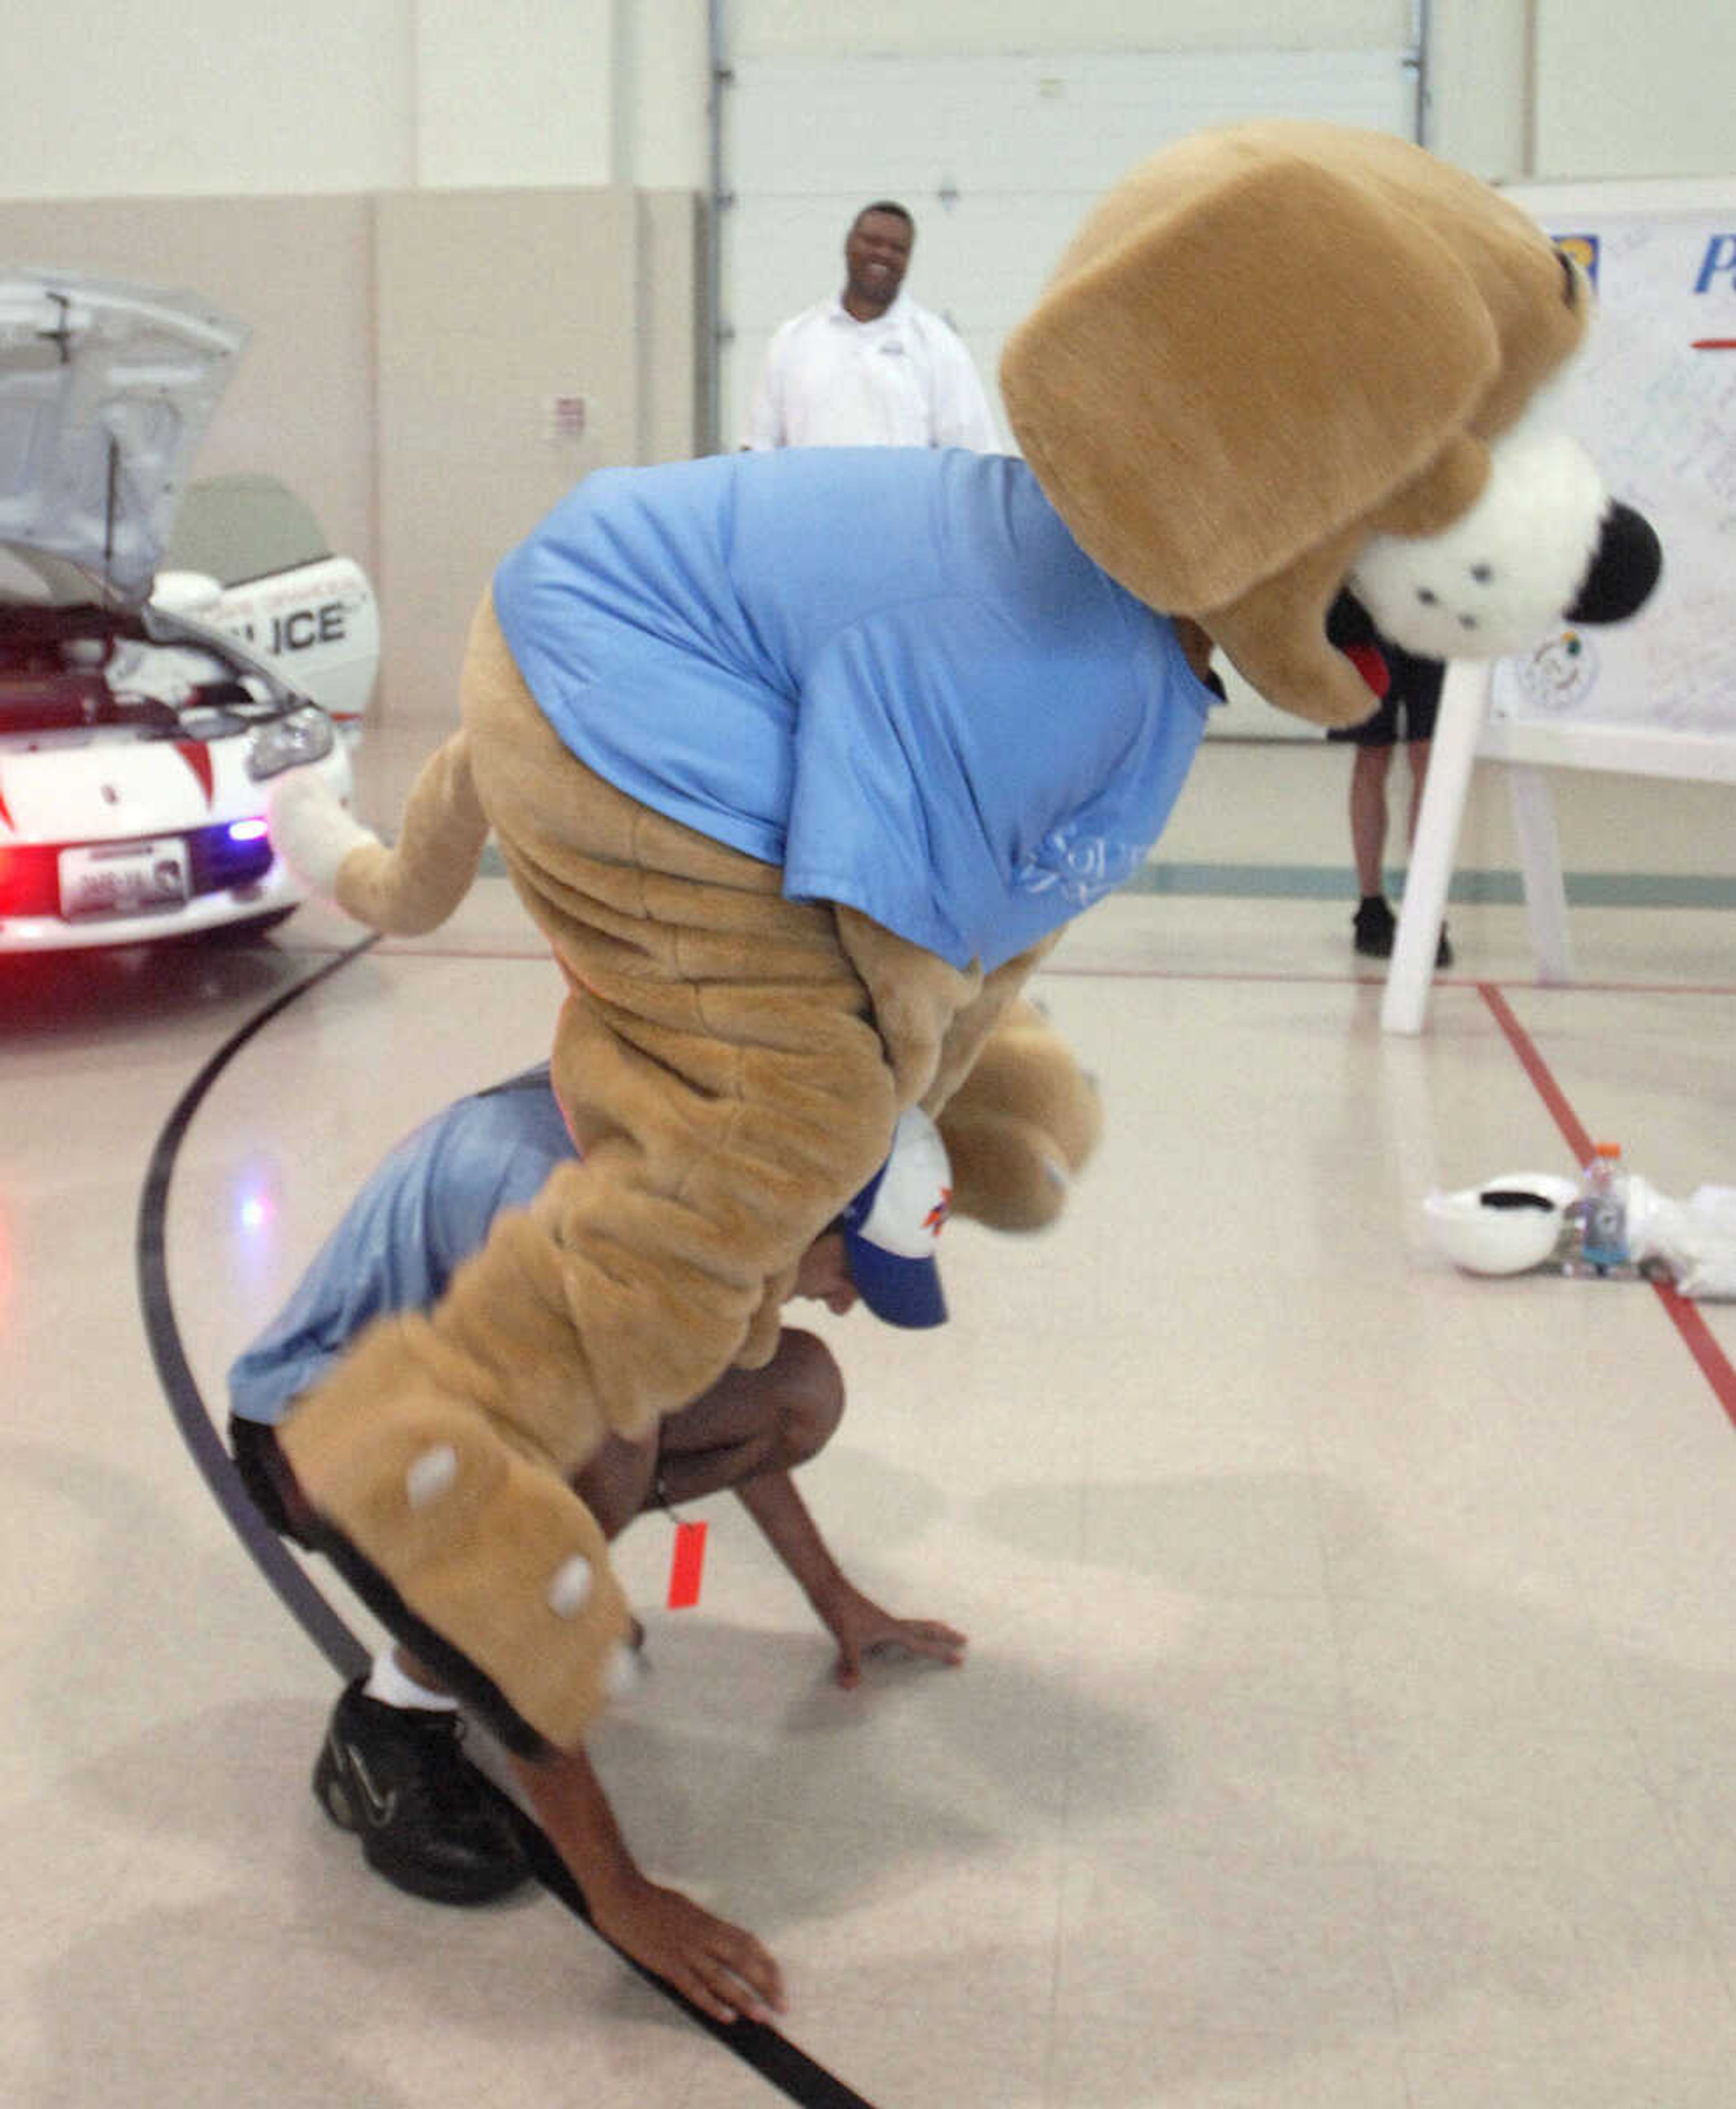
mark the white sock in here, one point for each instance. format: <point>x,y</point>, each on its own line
<point>390,1685</point>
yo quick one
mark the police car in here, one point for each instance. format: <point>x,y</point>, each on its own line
<point>140,736</point>
<point>247,557</point>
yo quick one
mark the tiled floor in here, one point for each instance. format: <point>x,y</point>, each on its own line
<point>1352,1691</point>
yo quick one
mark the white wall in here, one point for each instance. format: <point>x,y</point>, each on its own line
<point>204,99</point>
<point>662,139</point>
<point>1642,91</point>
<point>238,98</point>
<point>245,97</point>
<point>511,91</point>
<point>760,28</point>
<point>1478,82</point>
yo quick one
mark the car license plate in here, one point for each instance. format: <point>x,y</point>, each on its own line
<point>123,878</point>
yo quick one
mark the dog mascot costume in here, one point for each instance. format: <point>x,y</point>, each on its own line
<point>800,761</point>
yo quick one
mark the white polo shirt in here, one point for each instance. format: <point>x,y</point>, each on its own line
<point>903,380</point>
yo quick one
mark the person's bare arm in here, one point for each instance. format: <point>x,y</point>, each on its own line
<point>858,1624</point>
<point>720,1967</point>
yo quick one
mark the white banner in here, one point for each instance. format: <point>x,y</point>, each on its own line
<point>1653,399</point>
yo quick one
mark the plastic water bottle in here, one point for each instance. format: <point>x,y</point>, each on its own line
<point>1602,1210</point>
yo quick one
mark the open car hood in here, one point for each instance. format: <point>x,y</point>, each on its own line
<point>105,392</point>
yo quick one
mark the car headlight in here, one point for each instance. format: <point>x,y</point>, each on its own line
<point>303,736</point>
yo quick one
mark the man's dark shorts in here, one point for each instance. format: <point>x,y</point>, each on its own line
<point>265,1474</point>
<point>1412,697</point>
<point>1409,708</point>
<point>1408,714</point>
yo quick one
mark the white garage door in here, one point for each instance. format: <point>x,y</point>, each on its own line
<point>998,158</point>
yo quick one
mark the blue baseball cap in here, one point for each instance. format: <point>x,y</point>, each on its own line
<point>891,1228</point>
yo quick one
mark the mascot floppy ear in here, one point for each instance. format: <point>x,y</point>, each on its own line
<point>1267,344</point>
<point>1021,1126</point>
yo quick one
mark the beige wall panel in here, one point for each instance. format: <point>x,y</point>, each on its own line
<point>492,306</point>
<point>298,271</point>
<point>674,326</point>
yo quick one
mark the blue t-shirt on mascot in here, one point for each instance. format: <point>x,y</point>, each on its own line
<point>891,671</point>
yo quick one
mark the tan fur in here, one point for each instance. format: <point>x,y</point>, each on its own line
<point>722,1067</point>
<point>477,1564</point>
<point>413,888</point>
<point>1022,1126</point>
<point>1267,343</point>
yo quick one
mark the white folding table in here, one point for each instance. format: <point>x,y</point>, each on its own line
<point>1464,735</point>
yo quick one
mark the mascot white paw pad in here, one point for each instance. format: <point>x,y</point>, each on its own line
<point>430,1476</point>
<point>569,1590</point>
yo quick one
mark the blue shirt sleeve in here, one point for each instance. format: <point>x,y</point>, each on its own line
<point>429,1206</point>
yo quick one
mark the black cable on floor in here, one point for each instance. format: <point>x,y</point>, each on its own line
<point>772,2055</point>
<point>279,1566</point>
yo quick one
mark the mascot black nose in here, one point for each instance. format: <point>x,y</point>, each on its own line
<point>1626,568</point>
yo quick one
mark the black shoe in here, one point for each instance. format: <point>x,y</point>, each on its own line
<point>428,1820</point>
<point>1375,928</point>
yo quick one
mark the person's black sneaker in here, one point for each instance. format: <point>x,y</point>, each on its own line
<point>1374,927</point>
<point>428,1820</point>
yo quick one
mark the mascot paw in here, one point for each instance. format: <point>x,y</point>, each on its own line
<point>311,830</point>
<point>1021,1126</point>
<point>494,1570</point>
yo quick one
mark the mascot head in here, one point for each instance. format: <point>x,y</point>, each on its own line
<point>1282,359</point>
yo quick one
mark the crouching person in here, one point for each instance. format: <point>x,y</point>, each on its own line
<point>392,1768</point>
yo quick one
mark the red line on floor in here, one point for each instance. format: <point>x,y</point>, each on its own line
<point>1537,1069</point>
<point>1684,1314</point>
<point>1715,1364</point>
